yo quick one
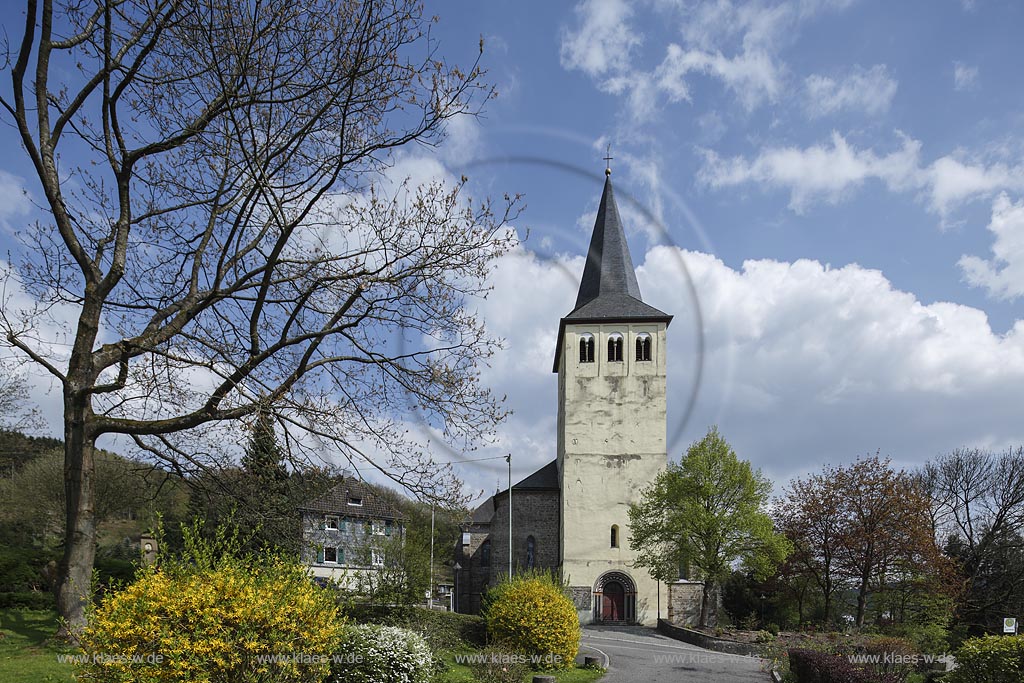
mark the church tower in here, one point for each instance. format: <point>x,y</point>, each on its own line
<point>610,357</point>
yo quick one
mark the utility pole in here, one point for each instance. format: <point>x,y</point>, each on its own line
<point>509,460</point>
<point>430,594</point>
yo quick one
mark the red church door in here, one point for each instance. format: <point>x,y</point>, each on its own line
<point>614,607</point>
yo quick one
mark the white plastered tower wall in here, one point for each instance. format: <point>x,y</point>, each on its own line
<point>611,445</point>
<point>611,426</point>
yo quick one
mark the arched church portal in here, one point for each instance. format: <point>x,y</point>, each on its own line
<point>615,598</point>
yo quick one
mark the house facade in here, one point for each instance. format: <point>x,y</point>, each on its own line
<point>344,531</point>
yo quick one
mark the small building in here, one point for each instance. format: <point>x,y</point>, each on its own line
<point>345,530</point>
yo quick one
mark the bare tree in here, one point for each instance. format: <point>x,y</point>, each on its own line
<point>16,409</point>
<point>209,170</point>
<point>978,507</point>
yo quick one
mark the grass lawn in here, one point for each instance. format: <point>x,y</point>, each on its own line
<point>24,656</point>
<point>460,673</point>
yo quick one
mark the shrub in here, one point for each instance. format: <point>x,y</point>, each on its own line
<point>989,659</point>
<point>894,656</point>
<point>531,614</point>
<point>33,600</point>
<point>810,666</point>
<point>210,616</point>
<point>371,653</point>
<point>499,666</point>
<point>441,630</point>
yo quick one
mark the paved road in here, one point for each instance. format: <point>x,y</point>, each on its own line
<point>642,655</point>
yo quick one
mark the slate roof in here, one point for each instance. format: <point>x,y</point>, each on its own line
<point>336,501</point>
<point>544,479</point>
<point>608,291</point>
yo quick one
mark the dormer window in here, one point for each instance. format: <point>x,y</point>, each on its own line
<point>586,348</point>
<point>643,346</point>
<point>357,502</point>
<point>615,348</point>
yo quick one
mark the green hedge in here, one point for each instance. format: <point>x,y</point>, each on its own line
<point>442,630</point>
<point>989,659</point>
<point>39,600</point>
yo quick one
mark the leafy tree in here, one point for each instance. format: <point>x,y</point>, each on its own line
<point>811,515</point>
<point>707,510</point>
<point>263,458</point>
<point>209,171</point>
<point>886,533</point>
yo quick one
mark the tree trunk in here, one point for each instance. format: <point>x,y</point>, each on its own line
<point>862,598</point>
<point>76,565</point>
<point>828,606</point>
<point>705,603</point>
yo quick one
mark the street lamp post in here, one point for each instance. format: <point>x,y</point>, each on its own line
<point>509,461</point>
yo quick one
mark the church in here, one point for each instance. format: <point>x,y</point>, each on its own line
<point>571,514</point>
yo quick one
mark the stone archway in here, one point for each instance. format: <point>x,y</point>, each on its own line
<point>615,598</point>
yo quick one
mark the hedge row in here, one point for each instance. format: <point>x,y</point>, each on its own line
<point>40,600</point>
<point>441,630</point>
<point>810,666</point>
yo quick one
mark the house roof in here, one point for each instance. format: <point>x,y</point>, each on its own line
<point>544,479</point>
<point>609,291</point>
<point>337,501</point>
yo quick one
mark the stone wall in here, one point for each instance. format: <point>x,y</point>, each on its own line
<point>684,598</point>
<point>534,513</point>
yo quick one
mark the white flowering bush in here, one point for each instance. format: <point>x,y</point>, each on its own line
<point>370,653</point>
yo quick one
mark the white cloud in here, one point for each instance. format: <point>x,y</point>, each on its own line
<point>803,363</point>
<point>829,172</point>
<point>964,77</point>
<point>14,199</point>
<point>735,43</point>
<point>866,90</point>
<point>604,41</point>
<point>819,171</point>
<point>1003,275</point>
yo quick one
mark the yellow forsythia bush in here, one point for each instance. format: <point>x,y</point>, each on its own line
<point>214,616</point>
<point>532,616</point>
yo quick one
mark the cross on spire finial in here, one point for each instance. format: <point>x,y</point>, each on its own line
<point>608,160</point>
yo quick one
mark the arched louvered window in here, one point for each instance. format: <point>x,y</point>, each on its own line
<point>586,348</point>
<point>615,347</point>
<point>531,552</point>
<point>643,346</point>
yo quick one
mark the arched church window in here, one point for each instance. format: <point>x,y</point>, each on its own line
<point>643,346</point>
<point>615,347</point>
<point>586,348</point>
<point>531,552</point>
<point>485,554</point>
<point>615,535</point>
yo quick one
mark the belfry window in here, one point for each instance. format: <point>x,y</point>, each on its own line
<point>615,535</point>
<point>586,348</point>
<point>643,346</point>
<point>615,348</point>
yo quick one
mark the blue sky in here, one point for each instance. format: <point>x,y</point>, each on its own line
<point>839,177</point>
<point>842,181</point>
